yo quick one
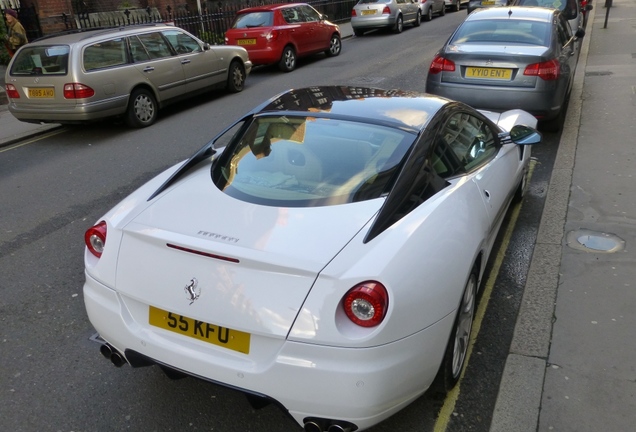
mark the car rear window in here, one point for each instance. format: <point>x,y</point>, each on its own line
<point>41,60</point>
<point>310,162</point>
<point>254,19</point>
<point>105,54</point>
<point>503,31</point>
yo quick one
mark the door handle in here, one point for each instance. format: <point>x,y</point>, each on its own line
<point>487,194</point>
<point>185,61</point>
<point>148,69</point>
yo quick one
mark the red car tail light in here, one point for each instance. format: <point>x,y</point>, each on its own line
<point>11,91</point>
<point>353,13</point>
<point>95,239</point>
<point>272,36</point>
<point>366,304</point>
<point>440,64</point>
<point>77,91</point>
<point>548,71</point>
<point>386,11</point>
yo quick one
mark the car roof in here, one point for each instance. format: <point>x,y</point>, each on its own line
<point>269,7</point>
<point>75,36</point>
<point>518,12</point>
<point>408,110</point>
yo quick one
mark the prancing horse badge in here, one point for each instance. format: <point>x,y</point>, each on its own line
<point>192,290</point>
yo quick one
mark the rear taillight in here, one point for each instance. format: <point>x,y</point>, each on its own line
<point>547,71</point>
<point>353,13</point>
<point>95,239</point>
<point>366,304</point>
<point>11,91</point>
<point>440,64</point>
<point>77,91</point>
<point>272,36</point>
<point>386,11</point>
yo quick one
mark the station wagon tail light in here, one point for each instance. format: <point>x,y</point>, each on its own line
<point>77,91</point>
<point>440,64</point>
<point>548,71</point>
<point>11,91</point>
<point>366,304</point>
<point>386,11</point>
<point>95,239</point>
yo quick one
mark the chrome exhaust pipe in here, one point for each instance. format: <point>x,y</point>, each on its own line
<point>338,428</point>
<point>112,354</point>
<point>312,426</point>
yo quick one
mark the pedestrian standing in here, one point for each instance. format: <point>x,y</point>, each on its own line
<point>17,35</point>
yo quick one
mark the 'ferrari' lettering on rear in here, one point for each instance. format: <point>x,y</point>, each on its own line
<point>216,236</point>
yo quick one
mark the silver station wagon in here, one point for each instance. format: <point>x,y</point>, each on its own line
<point>127,72</point>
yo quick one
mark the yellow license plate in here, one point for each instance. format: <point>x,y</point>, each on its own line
<point>488,73</point>
<point>487,2</point>
<point>246,41</point>
<point>41,93</point>
<point>369,12</point>
<point>216,335</point>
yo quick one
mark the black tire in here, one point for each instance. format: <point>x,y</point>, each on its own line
<point>335,46</point>
<point>235,77</point>
<point>287,61</point>
<point>521,189</point>
<point>399,25</point>
<point>429,14</point>
<point>443,11</point>
<point>358,32</point>
<point>142,109</point>
<point>418,19</point>
<point>455,355</point>
<point>457,6</point>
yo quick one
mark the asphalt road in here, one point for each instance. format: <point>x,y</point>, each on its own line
<point>52,377</point>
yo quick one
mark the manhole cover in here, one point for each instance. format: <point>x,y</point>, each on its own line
<point>592,241</point>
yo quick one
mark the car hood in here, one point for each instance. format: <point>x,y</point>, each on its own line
<point>252,265</point>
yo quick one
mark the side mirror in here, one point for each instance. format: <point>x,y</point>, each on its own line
<point>589,7</point>
<point>206,46</point>
<point>525,135</point>
<point>579,33</point>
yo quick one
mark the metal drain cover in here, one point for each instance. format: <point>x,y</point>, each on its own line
<point>592,241</point>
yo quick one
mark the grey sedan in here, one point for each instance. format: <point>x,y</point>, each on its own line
<point>384,14</point>
<point>505,58</point>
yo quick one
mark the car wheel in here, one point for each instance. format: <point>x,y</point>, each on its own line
<point>142,109</point>
<point>457,6</point>
<point>358,32</point>
<point>399,25</point>
<point>443,11</point>
<point>429,14</point>
<point>235,77</point>
<point>418,19</point>
<point>288,60</point>
<point>457,348</point>
<point>335,46</point>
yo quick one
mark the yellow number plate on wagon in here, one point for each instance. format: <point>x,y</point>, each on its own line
<point>488,73</point>
<point>246,41</point>
<point>41,93</point>
<point>369,12</point>
<point>220,336</point>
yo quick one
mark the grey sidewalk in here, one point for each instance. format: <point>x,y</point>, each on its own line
<point>571,365</point>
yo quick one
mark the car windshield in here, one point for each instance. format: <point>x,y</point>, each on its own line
<point>308,162</point>
<point>254,19</point>
<point>41,60</point>
<point>503,31</point>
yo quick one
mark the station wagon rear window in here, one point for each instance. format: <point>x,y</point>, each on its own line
<point>41,60</point>
<point>105,54</point>
<point>310,162</point>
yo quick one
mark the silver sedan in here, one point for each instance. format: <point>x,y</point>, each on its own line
<point>384,14</point>
<point>505,58</point>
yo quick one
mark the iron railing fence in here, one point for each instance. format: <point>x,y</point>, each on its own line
<point>209,25</point>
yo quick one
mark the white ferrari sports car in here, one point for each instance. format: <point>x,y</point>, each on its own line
<point>324,252</point>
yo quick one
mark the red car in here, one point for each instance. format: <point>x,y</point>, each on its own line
<point>282,33</point>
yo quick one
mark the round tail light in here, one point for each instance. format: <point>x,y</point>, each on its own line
<point>95,239</point>
<point>366,304</point>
